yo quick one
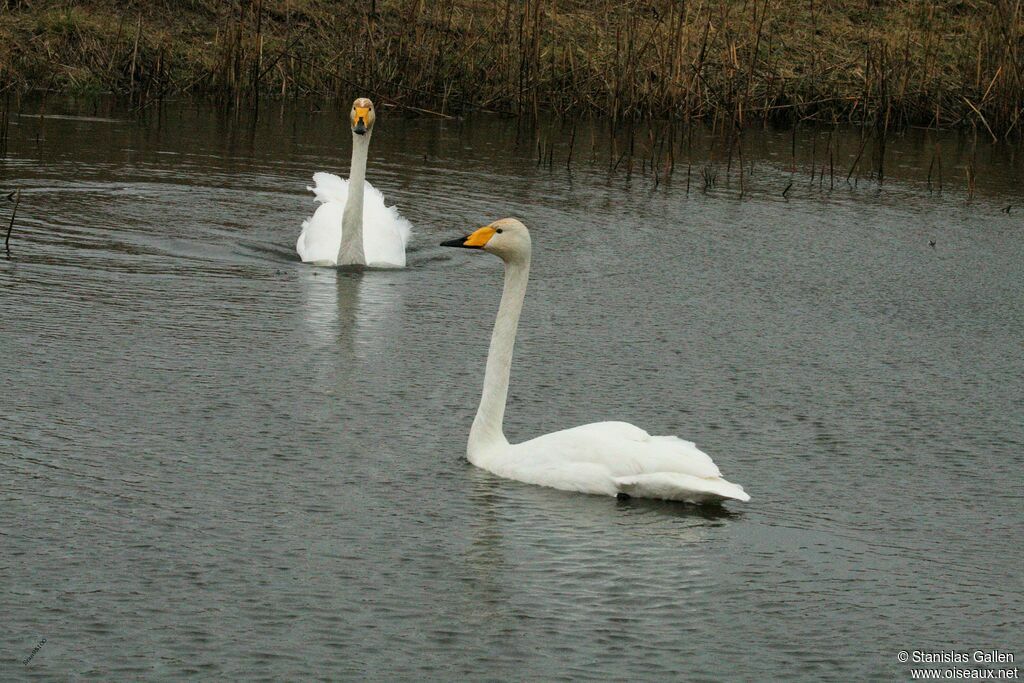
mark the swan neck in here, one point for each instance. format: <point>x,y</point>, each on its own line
<point>488,427</point>
<point>351,249</point>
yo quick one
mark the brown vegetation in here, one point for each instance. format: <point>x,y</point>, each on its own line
<point>943,63</point>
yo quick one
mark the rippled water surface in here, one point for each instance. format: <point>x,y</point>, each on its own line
<point>219,461</point>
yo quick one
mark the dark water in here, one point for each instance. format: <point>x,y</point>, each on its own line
<point>220,462</point>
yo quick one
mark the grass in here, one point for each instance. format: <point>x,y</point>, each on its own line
<point>736,63</point>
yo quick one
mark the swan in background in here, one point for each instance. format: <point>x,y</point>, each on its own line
<point>353,227</point>
<point>611,458</point>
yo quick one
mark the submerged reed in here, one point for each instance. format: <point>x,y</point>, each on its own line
<point>16,198</point>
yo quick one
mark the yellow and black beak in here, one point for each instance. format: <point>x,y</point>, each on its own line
<point>475,240</point>
<point>361,117</point>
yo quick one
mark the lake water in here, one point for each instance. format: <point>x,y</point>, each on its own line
<point>220,462</point>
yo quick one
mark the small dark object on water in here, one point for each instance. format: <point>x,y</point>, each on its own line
<point>622,496</point>
<point>931,243</point>
<point>787,188</point>
<point>1007,209</point>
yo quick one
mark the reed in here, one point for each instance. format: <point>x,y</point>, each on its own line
<point>16,198</point>
<point>744,62</point>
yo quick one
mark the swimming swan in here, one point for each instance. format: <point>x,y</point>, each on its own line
<point>343,231</point>
<point>612,458</point>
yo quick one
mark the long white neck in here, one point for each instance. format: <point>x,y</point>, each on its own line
<point>488,426</point>
<point>351,249</point>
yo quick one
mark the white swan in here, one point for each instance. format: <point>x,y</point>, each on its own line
<point>345,229</point>
<point>612,458</point>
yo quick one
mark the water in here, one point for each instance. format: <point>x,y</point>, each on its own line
<point>220,462</point>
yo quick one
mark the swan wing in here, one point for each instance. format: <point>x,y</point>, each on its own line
<point>328,187</point>
<point>617,457</point>
<point>625,450</point>
<point>321,235</point>
<point>385,231</point>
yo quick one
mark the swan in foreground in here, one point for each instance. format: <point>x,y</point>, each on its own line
<point>611,458</point>
<point>345,230</point>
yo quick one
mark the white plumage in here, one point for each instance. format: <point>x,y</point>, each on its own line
<point>609,458</point>
<point>385,231</point>
<point>613,458</point>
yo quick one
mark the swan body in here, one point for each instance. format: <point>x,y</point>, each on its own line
<point>610,458</point>
<point>385,233</point>
<point>352,225</point>
<point>613,458</point>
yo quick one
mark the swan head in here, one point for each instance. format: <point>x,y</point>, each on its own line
<point>362,116</point>
<point>506,238</point>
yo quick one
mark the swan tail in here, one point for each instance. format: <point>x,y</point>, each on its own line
<point>682,487</point>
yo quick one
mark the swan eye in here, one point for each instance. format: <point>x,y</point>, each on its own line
<point>498,231</point>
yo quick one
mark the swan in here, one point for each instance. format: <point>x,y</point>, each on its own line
<point>344,230</point>
<point>611,458</point>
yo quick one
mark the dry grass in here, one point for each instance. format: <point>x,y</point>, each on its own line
<point>737,62</point>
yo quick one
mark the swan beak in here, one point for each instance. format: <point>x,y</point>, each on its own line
<point>362,115</point>
<point>475,240</point>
